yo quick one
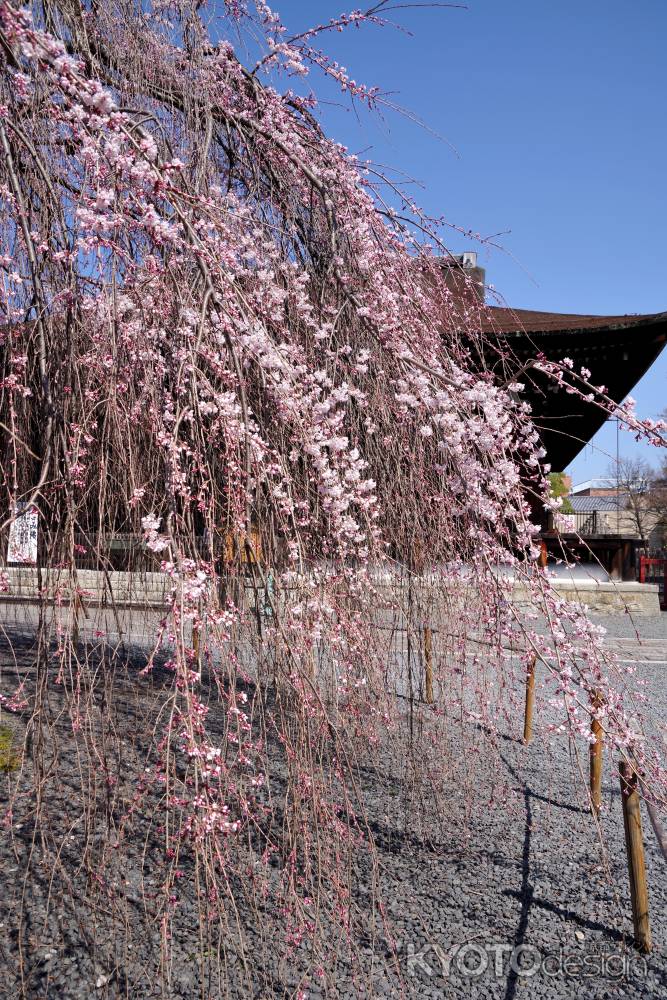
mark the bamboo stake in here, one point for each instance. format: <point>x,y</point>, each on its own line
<point>632,821</point>
<point>428,663</point>
<point>530,702</point>
<point>596,750</point>
<point>530,676</point>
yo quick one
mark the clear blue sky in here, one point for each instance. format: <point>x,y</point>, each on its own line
<point>554,121</point>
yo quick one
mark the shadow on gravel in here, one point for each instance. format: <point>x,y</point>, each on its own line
<point>561,911</point>
<point>559,805</point>
<point>526,892</point>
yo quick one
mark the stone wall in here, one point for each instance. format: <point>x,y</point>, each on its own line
<point>616,597</point>
<point>153,589</point>
<point>94,587</point>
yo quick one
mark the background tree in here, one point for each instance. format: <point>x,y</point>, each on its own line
<point>641,497</point>
<point>560,488</point>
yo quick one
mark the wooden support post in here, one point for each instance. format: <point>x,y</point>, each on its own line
<point>79,608</point>
<point>530,702</point>
<point>632,821</point>
<point>75,623</point>
<point>428,664</point>
<point>544,555</point>
<point>617,563</point>
<point>195,643</point>
<point>596,756</point>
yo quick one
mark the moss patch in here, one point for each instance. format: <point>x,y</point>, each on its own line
<point>9,757</point>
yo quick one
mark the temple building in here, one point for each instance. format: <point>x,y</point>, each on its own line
<point>618,350</point>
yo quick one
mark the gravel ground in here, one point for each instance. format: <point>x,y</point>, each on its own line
<point>513,875</point>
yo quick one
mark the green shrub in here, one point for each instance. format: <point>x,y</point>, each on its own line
<point>559,489</point>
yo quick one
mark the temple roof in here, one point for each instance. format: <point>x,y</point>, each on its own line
<point>521,321</point>
<point>618,350</point>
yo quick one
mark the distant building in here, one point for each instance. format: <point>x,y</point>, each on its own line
<point>597,488</point>
<point>618,514</point>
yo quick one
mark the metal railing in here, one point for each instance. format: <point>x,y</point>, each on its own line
<point>587,524</point>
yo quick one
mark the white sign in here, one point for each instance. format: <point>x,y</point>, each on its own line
<point>22,546</point>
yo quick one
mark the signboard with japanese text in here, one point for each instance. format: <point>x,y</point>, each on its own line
<point>22,547</point>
